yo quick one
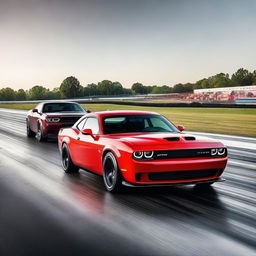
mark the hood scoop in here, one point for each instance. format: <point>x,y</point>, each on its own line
<point>172,138</point>
<point>189,138</point>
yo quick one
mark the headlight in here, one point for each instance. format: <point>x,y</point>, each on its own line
<point>214,151</point>
<point>148,154</point>
<point>143,155</point>
<point>52,120</point>
<point>218,152</point>
<point>138,154</point>
<point>221,151</point>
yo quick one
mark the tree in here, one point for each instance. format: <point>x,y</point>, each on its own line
<point>21,95</point>
<point>105,88</point>
<point>37,93</point>
<point>71,87</point>
<point>90,90</point>
<point>198,84</point>
<point>254,77</point>
<point>181,88</point>
<point>117,88</point>
<point>161,89</point>
<point>219,80</point>
<point>139,88</point>
<point>53,94</point>
<point>127,91</point>
<point>242,77</point>
<point>7,94</point>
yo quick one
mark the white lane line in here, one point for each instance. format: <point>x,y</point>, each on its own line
<point>251,166</point>
<point>231,150</point>
<point>227,140</point>
<point>224,135</point>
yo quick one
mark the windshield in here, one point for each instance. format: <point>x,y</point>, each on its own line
<point>62,107</point>
<point>137,123</point>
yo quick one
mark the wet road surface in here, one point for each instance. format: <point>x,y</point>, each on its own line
<point>44,211</point>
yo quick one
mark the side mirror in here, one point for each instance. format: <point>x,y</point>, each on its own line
<point>88,111</point>
<point>87,132</point>
<point>35,110</point>
<point>181,128</point>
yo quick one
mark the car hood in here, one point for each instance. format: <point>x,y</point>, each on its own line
<point>159,141</point>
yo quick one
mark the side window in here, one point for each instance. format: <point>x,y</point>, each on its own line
<point>93,124</point>
<point>81,125</point>
<point>146,124</point>
<point>157,122</point>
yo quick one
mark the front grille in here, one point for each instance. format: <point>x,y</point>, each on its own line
<point>71,119</point>
<point>182,175</point>
<point>184,153</point>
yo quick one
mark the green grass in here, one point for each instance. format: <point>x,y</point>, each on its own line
<point>240,121</point>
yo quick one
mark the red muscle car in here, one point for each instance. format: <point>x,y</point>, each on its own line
<point>47,118</point>
<point>135,148</point>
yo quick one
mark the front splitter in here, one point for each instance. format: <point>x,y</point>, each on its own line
<point>127,184</point>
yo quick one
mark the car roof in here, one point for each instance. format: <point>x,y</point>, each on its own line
<point>122,112</point>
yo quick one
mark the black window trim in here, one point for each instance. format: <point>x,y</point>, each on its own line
<point>81,122</point>
<point>86,122</point>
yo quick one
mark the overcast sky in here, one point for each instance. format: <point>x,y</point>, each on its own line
<point>149,41</point>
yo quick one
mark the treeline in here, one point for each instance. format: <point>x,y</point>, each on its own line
<point>71,87</point>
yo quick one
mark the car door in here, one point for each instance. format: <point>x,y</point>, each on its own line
<point>88,155</point>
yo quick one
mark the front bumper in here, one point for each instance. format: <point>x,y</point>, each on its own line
<point>181,171</point>
<point>53,128</point>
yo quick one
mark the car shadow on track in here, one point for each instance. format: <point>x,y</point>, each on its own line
<point>183,202</point>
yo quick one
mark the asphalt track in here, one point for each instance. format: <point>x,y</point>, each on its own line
<point>44,211</point>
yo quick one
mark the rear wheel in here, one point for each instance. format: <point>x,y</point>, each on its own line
<point>30,133</point>
<point>39,134</point>
<point>67,163</point>
<point>111,174</point>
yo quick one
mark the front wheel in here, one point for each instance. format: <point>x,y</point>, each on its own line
<point>39,134</point>
<point>67,163</point>
<point>111,175</point>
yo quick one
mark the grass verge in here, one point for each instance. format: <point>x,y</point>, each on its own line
<point>240,121</point>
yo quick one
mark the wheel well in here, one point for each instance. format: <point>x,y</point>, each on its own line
<point>105,152</point>
<point>64,142</point>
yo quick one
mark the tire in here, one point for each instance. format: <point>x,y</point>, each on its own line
<point>111,174</point>
<point>39,134</point>
<point>67,163</point>
<point>30,133</point>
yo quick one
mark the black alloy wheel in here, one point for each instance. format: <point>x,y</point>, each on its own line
<point>67,163</point>
<point>111,174</point>
<point>39,134</point>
